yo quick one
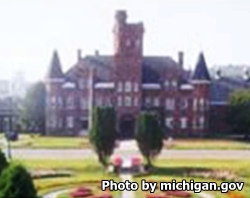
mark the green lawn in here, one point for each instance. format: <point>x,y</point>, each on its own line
<point>210,144</point>
<point>36,141</point>
<point>181,169</point>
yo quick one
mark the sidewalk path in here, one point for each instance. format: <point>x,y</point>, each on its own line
<point>126,193</point>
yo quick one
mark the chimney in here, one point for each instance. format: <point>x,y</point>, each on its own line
<point>121,17</point>
<point>181,58</point>
<point>79,54</point>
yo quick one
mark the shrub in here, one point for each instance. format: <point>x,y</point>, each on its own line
<point>16,182</point>
<point>3,162</point>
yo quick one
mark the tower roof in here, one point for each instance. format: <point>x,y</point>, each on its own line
<point>201,71</point>
<point>55,70</point>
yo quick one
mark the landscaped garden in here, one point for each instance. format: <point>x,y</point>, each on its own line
<point>51,175</point>
<point>200,171</point>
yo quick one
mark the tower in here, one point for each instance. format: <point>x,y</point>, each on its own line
<point>128,48</point>
<point>201,96</point>
<point>53,83</point>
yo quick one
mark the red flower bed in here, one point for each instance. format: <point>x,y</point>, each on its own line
<point>157,196</point>
<point>176,193</point>
<point>81,192</point>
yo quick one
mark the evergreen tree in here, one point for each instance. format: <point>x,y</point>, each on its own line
<point>149,136</point>
<point>103,133</point>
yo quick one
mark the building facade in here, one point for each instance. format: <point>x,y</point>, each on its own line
<point>131,83</point>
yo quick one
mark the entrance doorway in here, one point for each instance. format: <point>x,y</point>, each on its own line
<point>127,127</point>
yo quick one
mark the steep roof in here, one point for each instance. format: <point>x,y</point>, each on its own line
<point>55,69</point>
<point>152,66</point>
<point>201,71</point>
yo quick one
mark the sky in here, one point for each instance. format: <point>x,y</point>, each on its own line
<point>32,29</point>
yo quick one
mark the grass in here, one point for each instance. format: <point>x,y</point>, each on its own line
<point>47,142</point>
<point>83,171</point>
<point>178,169</point>
<point>206,144</point>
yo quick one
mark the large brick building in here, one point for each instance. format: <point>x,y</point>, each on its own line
<point>130,82</point>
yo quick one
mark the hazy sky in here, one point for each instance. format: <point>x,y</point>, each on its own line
<point>32,29</point>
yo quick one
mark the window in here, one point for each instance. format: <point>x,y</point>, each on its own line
<point>81,83</point>
<point>128,86</point>
<point>138,43</point>
<point>119,87</point>
<point>136,87</point>
<point>98,101</point>
<point>53,121</point>
<point>83,103</point>
<point>53,101</point>
<point>60,123</point>
<point>108,102</point>
<point>166,83</point>
<point>194,123</point>
<point>156,102</point>
<point>202,104</point>
<point>119,101</point>
<point>195,104</point>
<point>127,101</point>
<point>70,102</point>
<point>184,103</point>
<point>174,83</point>
<point>201,122</point>
<point>59,101</point>
<point>170,104</point>
<point>128,42</point>
<point>147,101</point>
<point>136,101</point>
<point>70,122</point>
<point>169,122</point>
<point>183,123</point>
